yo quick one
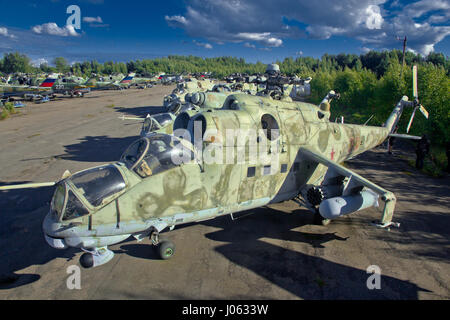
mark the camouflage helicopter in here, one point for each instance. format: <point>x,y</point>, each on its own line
<point>163,122</point>
<point>162,181</point>
<point>183,99</point>
<point>176,103</point>
<point>177,97</point>
<point>71,86</point>
<point>28,92</point>
<point>94,84</point>
<point>192,102</point>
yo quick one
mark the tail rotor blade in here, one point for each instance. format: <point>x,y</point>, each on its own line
<point>415,91</point>
<point>411,120</point>
<point>424,111</point>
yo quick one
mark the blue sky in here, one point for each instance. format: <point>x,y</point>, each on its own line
<point>257,30</point>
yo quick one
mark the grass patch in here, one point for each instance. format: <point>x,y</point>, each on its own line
<point>8,109</point>
<point>439,157</point>
<point>435,164</point>
<point>432,169</point>
<point>429,168</point>
<point>110,106</point>
<point>4,114</point>
<point>34,135</point>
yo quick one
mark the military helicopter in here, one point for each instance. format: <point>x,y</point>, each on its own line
<point>193,102</point>
<point>28,92</point>
<point>177,97</point>
<point>162,180</point>
<point>71,86</point>
<point>184,99</point>
<point>93,84</point>
<point>163,122</point>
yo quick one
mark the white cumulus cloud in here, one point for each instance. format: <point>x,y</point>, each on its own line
<point>265,38</point>
<point>38,62</point>
<point>375,23</point>
<point>204,45</point>
<point>374,19</point>
<point>4,32</point>
<point>176,19</point>
<point>52,28</point>
<point>93,19</point>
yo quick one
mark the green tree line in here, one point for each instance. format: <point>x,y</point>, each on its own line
<point>369,84</point>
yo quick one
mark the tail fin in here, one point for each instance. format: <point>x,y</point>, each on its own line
<point>48,83</point>
<point>394,118</point>
<point>128,78</point>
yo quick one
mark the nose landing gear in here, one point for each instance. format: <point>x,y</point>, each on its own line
<point>164,247</point>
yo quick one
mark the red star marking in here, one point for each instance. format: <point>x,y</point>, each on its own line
<point>332,154</point>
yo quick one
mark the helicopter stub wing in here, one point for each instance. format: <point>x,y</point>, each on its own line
<point>357,192</point>
<point>404,136</point>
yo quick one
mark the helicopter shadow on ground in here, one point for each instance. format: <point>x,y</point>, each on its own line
<point>416,184</point>
<point>268,222</point>
<point>141,111</point>
<point>424,235</point>
<point>97,149</point>
<point>426,227</point>
<point>306,276</point>
<point>138,250</point>
<point>145,250</point>
<point>22,243</point>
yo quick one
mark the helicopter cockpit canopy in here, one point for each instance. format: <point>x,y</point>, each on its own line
<point>92,186</point>
<point>156,153</point>
<point>155,122</point>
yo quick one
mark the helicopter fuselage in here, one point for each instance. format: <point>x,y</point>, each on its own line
<point>221,178</point>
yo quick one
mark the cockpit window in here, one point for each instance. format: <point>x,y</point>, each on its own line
<point>155,154</point>
<point>57,204</point>
<point>156,122</point>
<point>231,104</point>
<point>99,183</point>
<point>149,125</point>
<point>74,208</point>
<point>163,118</point>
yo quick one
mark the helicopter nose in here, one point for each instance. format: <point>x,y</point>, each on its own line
<point>50,227</point>
<point>55,243</point>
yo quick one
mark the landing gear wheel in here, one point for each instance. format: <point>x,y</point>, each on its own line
<point>87,260</point>
<point>319,220</point>
<point>166,249</point>
<point>96,257</point>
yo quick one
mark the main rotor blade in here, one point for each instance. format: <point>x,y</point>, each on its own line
<point>415,91</point>
<point>130,118</point>
<point>27,186</point>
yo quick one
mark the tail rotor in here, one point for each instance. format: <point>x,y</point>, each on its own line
<point>416,101</point>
